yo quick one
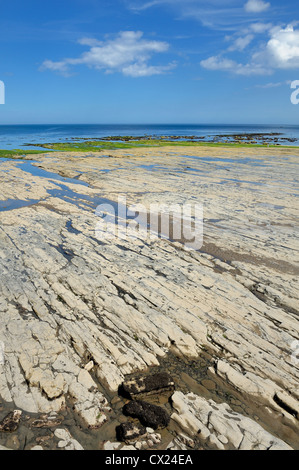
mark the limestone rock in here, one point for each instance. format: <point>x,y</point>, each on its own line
<point>205,419</point>
<point>111,445</point>
<point>89,402</point>
<point>66,441</point>
<point>73,303</point>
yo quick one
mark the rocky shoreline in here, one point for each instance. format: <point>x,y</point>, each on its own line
<point>261,138</point>
<point>80,315</point>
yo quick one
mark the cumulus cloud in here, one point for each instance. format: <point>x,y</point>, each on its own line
<point>281,51</point>
<point>127,53</point>
<point>256,6</point>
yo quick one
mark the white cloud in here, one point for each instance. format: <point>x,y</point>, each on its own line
<point>89,42</point>
<point>228,65</point>
<point>60,67</point>
<point>225,15</point>
<point>127,53</point>
<point>281,51</point>
<point>218,63</point>
<point>256,6</point>
<point>241,43</point>
<point>144,6</point>
<point>271,85</point>
<point>143,70</point>
<point>260,28</point>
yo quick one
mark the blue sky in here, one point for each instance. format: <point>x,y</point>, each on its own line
<point>149,61</point>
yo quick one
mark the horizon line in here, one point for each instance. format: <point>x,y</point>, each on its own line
<point>149,124</point>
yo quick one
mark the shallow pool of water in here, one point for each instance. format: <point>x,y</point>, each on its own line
<point>11,204</point>
<point>34,170</point>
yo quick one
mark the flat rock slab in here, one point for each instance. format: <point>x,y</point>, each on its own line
<point>78,310</point>
<point>149,415</point>
<point>156,383</point>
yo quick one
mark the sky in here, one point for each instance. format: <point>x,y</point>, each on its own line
<point>149,61</point>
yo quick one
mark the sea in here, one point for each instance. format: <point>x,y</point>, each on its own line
<point>23,136</point>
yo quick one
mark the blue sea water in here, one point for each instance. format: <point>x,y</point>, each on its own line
<point>17,136</point>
